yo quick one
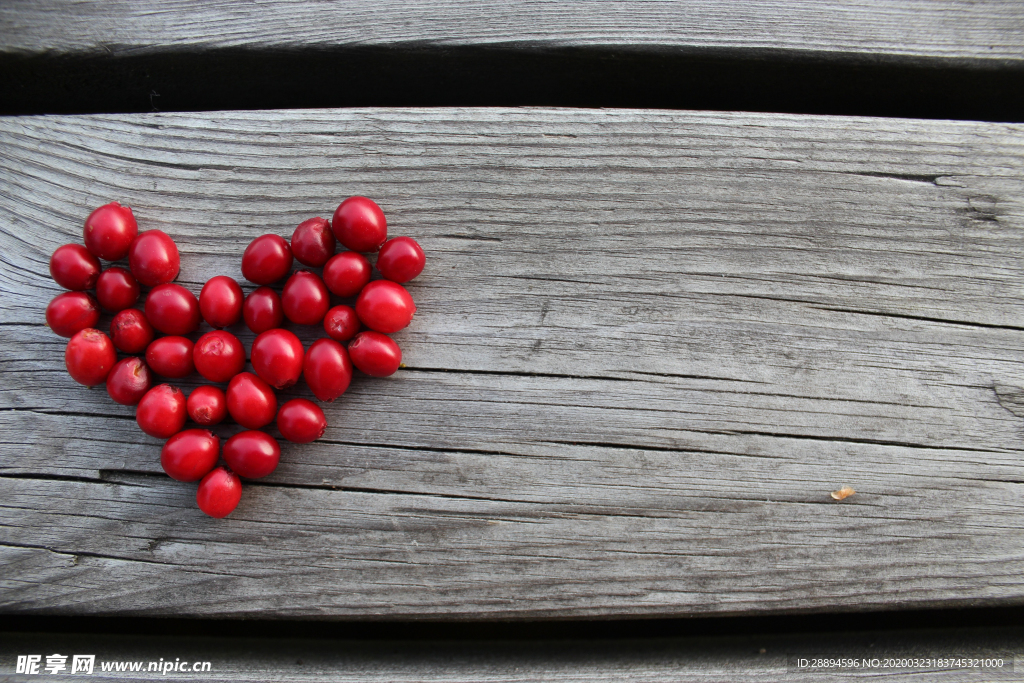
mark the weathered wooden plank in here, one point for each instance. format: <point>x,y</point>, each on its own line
<point>760,657</point>
<point>648,346</point>
<point>989,30</point>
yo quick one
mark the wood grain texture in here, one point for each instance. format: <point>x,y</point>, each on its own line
<point>862,29</point>
<point>648,346</point>
<point>763,657</point>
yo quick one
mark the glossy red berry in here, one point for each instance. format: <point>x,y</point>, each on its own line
<point>153,258</point>
<point>161,412</point>
<point>72,312</point>
<point>129,381</point>
<point>89,357</point>
<point>130,331</point>
<point>171,357</point>
<point>190,455</point>
<point>207,405</point>
<point>219,356</point>
<point>220,301</point>
<point>327,369</point>
<point>172,309</point>
<point>73,267</point>
<point>305,299</point>
<point>385,306</point>
<point>401,259</point>
<point>313,242</point>
<point>375,354</point>
<point>267,259</point>
<point>341,323</point>
<point>219,493</point>
<point>252,454</point>
<point>359,224</point>
<point>116,289</point>
<point>301,421</point>
<point>109,231</point>
<point>277,358</point>
<point>347,273</point>
<point>251,401</point>
<point>262,310</point>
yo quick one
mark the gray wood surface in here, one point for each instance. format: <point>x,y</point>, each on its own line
<point>860,29</point>
<point>762,657</point>
<point>648,347</point>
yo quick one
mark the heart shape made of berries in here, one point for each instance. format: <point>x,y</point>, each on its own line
<point>155,343</point>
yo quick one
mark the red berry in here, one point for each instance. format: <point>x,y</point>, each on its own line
<point>220,302</point>
<point>73,267</point>
<point>385,306</point>
<point>267,259</point>
<point>327,369</point>
<point>251,401</point>
<point>360,225</point>
<point>341,323</point>
<point>171,357</point>
<point>375,354</point>
<point>172,309</point>
<point>207,405</point>
<point>313,242</point>
<point>401,259</point>
<point>89,357</point>
<point>72,312</point>
<point>130,331</point>
<point>305,299</point>
<point>219,493</point>
<point>190,455</point>
<point>277,358</point>
<point>219,356</point>
<point>301,421</point>
<point>109,231</point>
<point>161,412</point>
<point>262,310</point>
<point>252,454</point>
<point>129,381</point>
<point>347,273</point>
<point>116,289</point>
<point>153,258</point>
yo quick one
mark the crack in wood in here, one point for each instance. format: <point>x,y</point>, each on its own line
<point>840,439</point>
<point>76,554</point>
<point>113,477</point>
<point>685,376</point>
<point>515,373</point>
<point>472,238</point>
<point>922,178</point>
<point>419,447</point>
<point>906,316</point>
<point>51,477</point>
<point>69,413</point>
<point>662,449</point>
<point>388,492</point>
<point>1010,397</point>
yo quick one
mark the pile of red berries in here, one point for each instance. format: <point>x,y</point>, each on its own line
<point>277,355</point>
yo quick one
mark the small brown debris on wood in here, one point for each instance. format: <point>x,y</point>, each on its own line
<point>844,492</point>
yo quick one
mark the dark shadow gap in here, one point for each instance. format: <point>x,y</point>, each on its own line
<point>763,81</point>
<point>1012,616</point>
